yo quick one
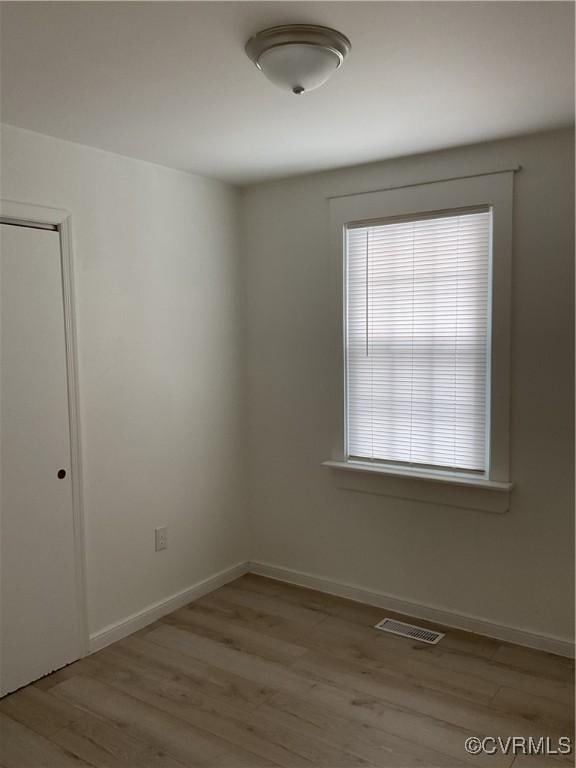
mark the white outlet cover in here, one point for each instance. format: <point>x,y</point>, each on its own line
<point>161,538</point>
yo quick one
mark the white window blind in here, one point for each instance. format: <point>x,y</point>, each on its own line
<point>417,340</point>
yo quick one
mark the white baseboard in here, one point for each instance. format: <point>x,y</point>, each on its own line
<point>155,611</point>
<point>468,623</point>
<point>141,619</point>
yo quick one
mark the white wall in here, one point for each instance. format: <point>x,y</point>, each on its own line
<point>160,381</point>
<point>166,353</point>
<point>513,569</point>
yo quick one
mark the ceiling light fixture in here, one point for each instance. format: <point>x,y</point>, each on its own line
<point>298,57</point>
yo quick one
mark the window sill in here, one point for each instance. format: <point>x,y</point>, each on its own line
<point>437,476</point>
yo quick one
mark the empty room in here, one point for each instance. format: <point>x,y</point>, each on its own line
<point>287,384</point>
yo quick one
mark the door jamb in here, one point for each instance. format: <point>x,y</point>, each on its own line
<point>62,219</point>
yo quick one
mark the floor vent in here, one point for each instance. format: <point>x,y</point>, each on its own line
<point>409,630</point>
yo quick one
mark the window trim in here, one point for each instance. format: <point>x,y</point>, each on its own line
<point>493,190</point>
<point>437,476</point>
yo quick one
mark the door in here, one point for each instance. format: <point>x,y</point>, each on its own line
<point>39,625</point>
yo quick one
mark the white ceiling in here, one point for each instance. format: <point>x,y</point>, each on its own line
<point>169,82</point>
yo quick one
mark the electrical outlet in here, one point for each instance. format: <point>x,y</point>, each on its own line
<point>161,538</point>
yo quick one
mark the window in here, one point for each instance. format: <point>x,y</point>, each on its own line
<point>421,313</point>
<point>417,341</point>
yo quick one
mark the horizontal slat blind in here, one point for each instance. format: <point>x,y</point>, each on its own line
<point>417,340</point>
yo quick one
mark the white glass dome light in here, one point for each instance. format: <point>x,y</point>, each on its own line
<point>298,57</point>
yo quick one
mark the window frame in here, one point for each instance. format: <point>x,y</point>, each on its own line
<point>492,190</point>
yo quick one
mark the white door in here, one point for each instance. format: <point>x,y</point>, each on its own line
<point>39,626</point>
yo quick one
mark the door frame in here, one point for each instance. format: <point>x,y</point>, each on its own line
<point>29,214</point>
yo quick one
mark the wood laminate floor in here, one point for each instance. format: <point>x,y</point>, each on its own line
<point>261,673</point>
